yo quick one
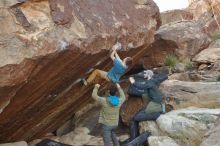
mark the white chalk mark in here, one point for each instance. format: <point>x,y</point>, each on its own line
<point>90,70</point>
<point>130,45</point>
<point>117,46</point>
<point>62,45</point>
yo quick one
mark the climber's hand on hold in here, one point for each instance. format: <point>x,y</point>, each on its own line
<point>117,46</point>
<point>131,79</point>
<point>113,49</point>
<point>97,85</point>
<point>118,86</point>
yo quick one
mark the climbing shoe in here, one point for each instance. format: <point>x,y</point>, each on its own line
<point>84,82</point>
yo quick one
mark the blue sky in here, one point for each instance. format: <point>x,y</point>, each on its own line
<point>165,5</point>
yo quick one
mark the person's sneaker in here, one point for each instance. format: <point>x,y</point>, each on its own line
<point>84,82</point>
<point>124,142</point>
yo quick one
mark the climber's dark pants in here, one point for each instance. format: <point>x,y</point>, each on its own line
<point>109,134</point>
<point>140,116</point>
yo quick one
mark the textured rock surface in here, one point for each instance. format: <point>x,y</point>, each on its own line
<point>212,28</point>
<point>185,127</point>
<point>21,143</point>
<point>207,13</point>
<point>178,68</point>
<point>199,94</point>
<point>184,39</point>
<point>199,7</point>
<point>210,23</point>
<point>79,137</point>
<point>212,137</point>
<point>216,66</point>
<point>81,119</point>
<point>202,66</point>
<point>215,44</point>
<point>209,55</point>
<point>195,76</point>
<point>175,15</point>
<point>187,36</point>
<point>206,75</point>
<point>161,141</point>
<point>180,77</point>
<point>188,126</point>
<point>152,127</point>
<point>46,46</point>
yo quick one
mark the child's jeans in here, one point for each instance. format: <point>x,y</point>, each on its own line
<point>109,135</point>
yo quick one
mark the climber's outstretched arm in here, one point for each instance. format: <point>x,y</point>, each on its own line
<point>112,56</point>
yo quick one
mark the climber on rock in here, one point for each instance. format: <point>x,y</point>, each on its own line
<point>140,77</point>
<point>114,74</point>
<point>152,98</point>
<point>109,113</point>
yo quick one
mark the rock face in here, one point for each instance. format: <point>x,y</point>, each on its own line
<point>199,94</point>
<point>175,15</point>
<point>207,12</point>
<point>187,36</point>
<point>215,44</point>
<point>216,66</point>
<point>212,26</point>
<point>47,45</point>
<point>186,126</point>
<point>21,143</point>
<point>179,68</point>
<point>210,23</point>
<point>79,136</point>
<point>180,77</point>
<point>161,141</point>
<point>212,137</point>
<point>197,76</point>
<point>199,7</point>
<point>209,55</point>
<point>184,39</point>
<point>81,119</point>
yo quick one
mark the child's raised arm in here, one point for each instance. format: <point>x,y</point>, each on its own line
<point>112,56</point>
<point>117,56</point>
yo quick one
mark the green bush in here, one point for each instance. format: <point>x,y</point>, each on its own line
<point>187,63</point>
<point>170,60</point>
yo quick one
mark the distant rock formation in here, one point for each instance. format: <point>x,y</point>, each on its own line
<point>175,15</point>
<point>199,7</point>
<point>183,38</point>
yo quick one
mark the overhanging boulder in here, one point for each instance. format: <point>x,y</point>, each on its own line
<point>46,46</point>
